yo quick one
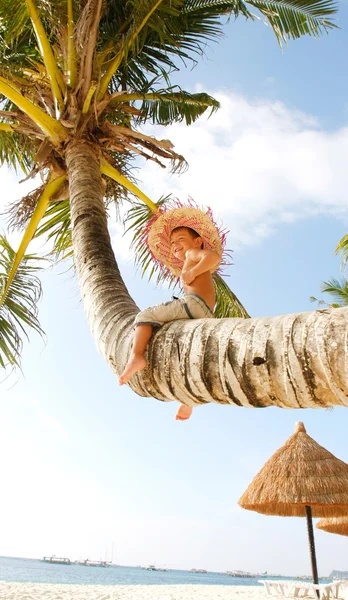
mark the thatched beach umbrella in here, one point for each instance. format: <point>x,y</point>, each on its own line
<point>300,479</point>
<point>335,525</point>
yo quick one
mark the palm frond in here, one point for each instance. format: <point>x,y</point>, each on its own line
<point>16,150</point>
<point>14,20</point>
<point>342,247</point>
<point>164,108</point>
<point>52,186</point>
<point>337,290</point>
<point>135,221</point>
<point>179,30</point>
<point>176,30</point>
<point>227,303</point>
<point>18,305</point>
<point>225,7</point>
<point>15,24</point>
<point>290,19</point>
<point>56,227</point>
<point>320,301</point>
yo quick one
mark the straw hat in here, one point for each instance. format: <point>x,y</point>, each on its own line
<point>159,229</point>
<point>301,473</point>
<point>335,525</point>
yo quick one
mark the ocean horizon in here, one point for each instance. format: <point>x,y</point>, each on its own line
<point>31,570</point>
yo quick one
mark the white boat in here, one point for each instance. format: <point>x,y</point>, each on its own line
<point>198,571</point>
<point>153,568</point>
<point>92,563</point>
<point>56,560</point>
<point>240,574</point>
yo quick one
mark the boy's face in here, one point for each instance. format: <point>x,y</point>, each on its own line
<point>182,240</point>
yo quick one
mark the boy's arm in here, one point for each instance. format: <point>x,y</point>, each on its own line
<point>207,260</point>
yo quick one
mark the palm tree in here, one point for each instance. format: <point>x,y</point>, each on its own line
<point>77,79</point>
<point>336,288</point>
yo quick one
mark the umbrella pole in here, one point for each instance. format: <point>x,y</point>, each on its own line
<point>311,544</point>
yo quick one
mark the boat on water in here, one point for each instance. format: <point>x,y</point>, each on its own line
<point>56,560</point>
<point>240,574</point>
<point>198,571</point>
<point>154,568</point>
<point>92,563</point>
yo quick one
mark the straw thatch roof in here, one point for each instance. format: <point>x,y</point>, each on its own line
<point>301,473</point>
<point>335,525</point>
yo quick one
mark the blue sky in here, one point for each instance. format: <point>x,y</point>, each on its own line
<point>85,464</point>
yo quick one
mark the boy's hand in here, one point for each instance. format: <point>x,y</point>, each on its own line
<point>188,276</point>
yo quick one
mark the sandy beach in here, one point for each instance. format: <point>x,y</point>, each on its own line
<point>45,591</point>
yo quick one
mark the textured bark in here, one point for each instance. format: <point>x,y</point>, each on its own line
<point>109,308</point>
<point>290,361</point>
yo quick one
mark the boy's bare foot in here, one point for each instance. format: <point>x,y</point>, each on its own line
<point>184,412</point>
<point>135,364</point>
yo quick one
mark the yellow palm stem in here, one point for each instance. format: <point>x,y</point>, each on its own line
<point>114,174</point>
<point>6,127</point>
<point>71,62</point>
<point>88,98</point>
<point>51,188</point>
<point>52,128</point>
<point>53,72</point>
<point>100,56</point>
<point>11,84</point>
<point>105,80</point>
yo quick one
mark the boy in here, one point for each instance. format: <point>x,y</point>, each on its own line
<point>181,249</point>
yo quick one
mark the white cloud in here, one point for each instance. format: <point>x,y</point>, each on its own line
<point>257,163</point>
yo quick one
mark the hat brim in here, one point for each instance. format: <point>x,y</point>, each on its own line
<point>159,239</point>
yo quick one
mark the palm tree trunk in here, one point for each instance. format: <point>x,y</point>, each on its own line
<point>291,361</point>
<point>110,309</point>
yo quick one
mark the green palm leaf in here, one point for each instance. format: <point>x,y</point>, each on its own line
<point>56,227</point>
<point>342,247</point>
<point>227,303</point>
<point>294,18</point>
<point>16,150</point>
<point>180,29</point>
<point>18,310</point>
<point>166,108</point>
<point>15,24</point>
<point>236,7</point>
<point>14,20</point>
<point>337,289</point>
<point>135,220</point>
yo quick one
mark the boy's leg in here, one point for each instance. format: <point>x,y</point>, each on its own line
<point>145,320</point>
<point>137,360</point>
<point>157,316</point>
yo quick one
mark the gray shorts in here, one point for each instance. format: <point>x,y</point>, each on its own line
<point>191,306</point>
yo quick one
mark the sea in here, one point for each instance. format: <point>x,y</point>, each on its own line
<point>27,570</point>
